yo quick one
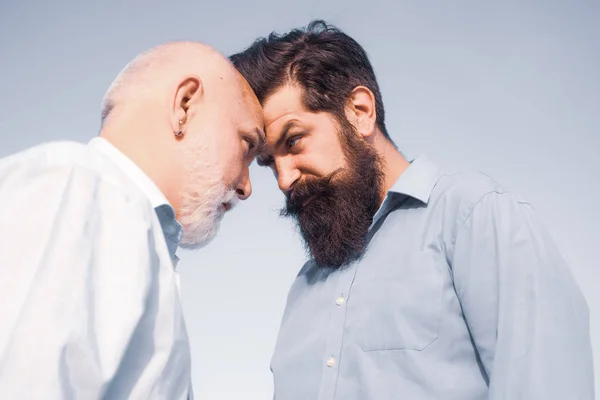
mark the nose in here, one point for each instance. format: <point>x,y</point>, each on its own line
<point>244,186</point>
<point>286,174</point>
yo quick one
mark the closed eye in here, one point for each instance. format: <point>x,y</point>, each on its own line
<point>251,144</point>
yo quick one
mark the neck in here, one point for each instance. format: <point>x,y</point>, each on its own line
<point>153,158</point>
<point>394,163</point>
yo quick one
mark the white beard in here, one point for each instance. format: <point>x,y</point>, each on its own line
<point>201,207</point>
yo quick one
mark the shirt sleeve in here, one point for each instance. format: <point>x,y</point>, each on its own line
<point>527,316</point>
<point>76,262</point>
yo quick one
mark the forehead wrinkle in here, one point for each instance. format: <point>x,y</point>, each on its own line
<point>278,118</point>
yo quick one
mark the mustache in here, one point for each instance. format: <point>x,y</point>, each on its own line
<point>308,188</point>
<point>231,198</point>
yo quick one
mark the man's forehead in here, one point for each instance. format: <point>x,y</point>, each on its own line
<point>250,111</point>
<point>283,103</point>
<point>251,119</point>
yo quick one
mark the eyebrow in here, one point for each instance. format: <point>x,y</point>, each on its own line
<point>262,161</point>
<point>285,130</point>
<point>262,141</point>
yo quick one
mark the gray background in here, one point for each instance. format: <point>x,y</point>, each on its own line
<point>509,89</point>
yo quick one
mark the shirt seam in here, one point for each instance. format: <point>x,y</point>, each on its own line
<point>472,210</point>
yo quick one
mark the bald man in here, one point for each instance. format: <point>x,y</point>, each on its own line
<point>89,301</point>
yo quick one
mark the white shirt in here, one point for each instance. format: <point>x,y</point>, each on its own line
<point>89,302</point>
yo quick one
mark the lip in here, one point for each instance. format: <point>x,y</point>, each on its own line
<point>226,206</point>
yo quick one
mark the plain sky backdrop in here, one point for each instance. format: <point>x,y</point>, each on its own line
<point>509,89</point>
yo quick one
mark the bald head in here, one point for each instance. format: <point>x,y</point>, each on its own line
<point>156,69</point>
<point>191,122</point>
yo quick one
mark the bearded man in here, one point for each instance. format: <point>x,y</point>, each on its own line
<point>421,284</point>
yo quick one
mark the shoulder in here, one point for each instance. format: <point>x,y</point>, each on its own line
<point>466,188</point>
<point>457,195</point>
<point>71,170</point>
<point>459,192</point>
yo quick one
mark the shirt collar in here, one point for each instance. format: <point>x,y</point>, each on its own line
<point>418,180</point>
<point>146,185</point>
<point>172,229</point>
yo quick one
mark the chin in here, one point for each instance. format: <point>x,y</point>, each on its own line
<point>201,225</point>
<point>198,236</point>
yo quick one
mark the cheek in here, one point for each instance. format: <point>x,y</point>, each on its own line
<point>321,162</point>
<point>232,160</point>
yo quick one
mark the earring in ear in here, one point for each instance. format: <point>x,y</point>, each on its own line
<point>180,132</point>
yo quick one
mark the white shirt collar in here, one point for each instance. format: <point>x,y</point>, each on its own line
<point>146,185</point>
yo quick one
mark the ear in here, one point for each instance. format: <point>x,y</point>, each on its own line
<point>360,111</point>
<point>189,92</point>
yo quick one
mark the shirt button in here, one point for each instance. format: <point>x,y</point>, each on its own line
<point>331,362</point>
<point>339,301</point>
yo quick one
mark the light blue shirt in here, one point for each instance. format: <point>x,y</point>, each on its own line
<point>461,295</point>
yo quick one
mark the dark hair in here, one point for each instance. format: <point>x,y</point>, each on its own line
<point>327,63</point>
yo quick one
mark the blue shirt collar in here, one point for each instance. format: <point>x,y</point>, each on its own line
<point>418,180</point>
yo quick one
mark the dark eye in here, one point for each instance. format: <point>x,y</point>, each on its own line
<point>292,141</point>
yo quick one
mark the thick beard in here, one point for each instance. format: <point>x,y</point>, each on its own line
<point>201,212</point>
<point>335,223</point>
